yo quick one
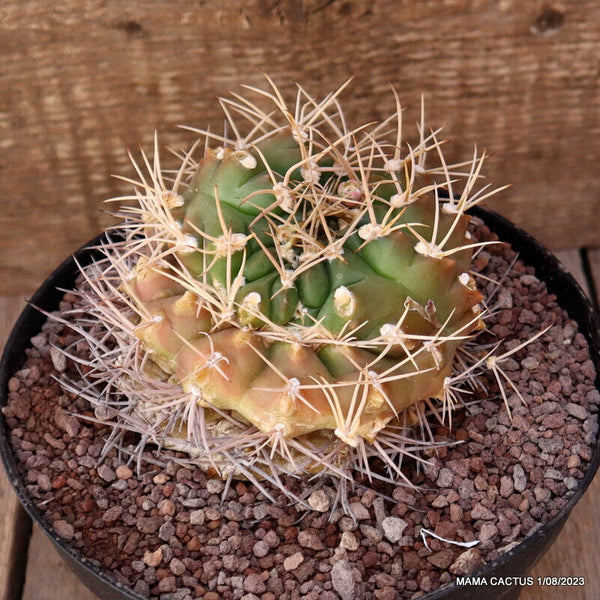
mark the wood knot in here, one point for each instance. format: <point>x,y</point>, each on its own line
<point>130,27</point>
<point>549,21</point>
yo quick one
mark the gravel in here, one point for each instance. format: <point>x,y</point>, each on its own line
<point>342,579</point>
<point>169,531</point>
<point>393,527</point>
<point>319,501</point>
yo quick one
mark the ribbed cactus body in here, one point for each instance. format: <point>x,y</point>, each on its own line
<point>297,300</point>
<point>344,308</point>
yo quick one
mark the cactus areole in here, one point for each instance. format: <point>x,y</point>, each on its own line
<point>294,296</point>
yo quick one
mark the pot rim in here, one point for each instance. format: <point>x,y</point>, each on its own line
<point>548,269</point>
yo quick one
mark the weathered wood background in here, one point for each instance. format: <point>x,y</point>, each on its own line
<point>80,81</point>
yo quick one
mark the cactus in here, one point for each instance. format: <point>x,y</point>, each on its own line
<point>294,301</point>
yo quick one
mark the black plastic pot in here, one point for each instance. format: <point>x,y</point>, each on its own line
<point>514,564</point>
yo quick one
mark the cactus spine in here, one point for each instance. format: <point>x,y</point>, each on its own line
<point>293,301</point>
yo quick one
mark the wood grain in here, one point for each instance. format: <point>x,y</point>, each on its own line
<point>14,538</point>
<point>14,524</point>
<point>571,260</point>
<point>82,81</point>
<point>594,260</point>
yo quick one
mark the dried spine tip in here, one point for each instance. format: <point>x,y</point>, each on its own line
<point>272,283</point>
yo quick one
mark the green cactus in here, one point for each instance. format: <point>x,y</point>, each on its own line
<point>382,283</point>
<point>293,300</point>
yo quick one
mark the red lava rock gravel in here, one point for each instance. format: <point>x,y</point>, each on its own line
<point>172,532</point>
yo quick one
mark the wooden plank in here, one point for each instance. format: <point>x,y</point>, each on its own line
<point>594,260</point>
<point>14,523</point>
<point>10,308</point>
<point>14,538</point>
<point>83,81</point>
<point>571,260</point>
<point>47,571</point>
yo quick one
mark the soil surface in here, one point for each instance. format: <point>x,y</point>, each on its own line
<point>171,532</point>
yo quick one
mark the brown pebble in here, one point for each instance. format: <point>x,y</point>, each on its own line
<point>44,482</point>
<point>67,423</point>
<point>123,472</point>
<point>272,538</point>
<point>506,486</point>
<point>554,421</point>
<point>442,559</point>
<point>456,513</point>
<point>14,384</point>
<point>293,562</point>
<point>254,584</point>
<point>487,532</point>
<point>194,545</point>
<point>445,478</point>
<point>519,478</point>
<point>349,541</point>
<point>149,524</point>
<point>106,473</point>
<point>54,442</point>
<point>319,501</point>
<point>177,567</point>
<point>261,549</point>
<point>112,514</point>
<point>310,539</point>
<point>197,517</point>
<point>466,562</point>
<point>481,512</point>
<point>577,410</point>
<point>393,527</point>
<point>386,593</point>
<point>166,507</point>
<point>34,371</point>
<point>342,579</point>
<point>359,511</point>
<point>370,559</point>
<point>167,584</point>
<point>153,559</point>
<point>440,501</point>
<point>65,530</point>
